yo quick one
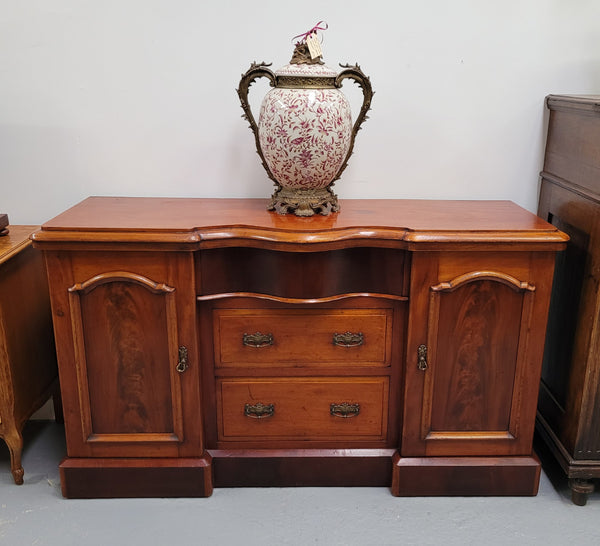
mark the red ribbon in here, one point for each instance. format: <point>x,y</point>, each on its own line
<point>311,31</point>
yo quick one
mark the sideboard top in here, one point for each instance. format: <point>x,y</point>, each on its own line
<point>211,222</point>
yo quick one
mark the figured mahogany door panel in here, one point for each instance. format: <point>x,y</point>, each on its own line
<point>472,367</point>
<point>303,409</point>
<point>475,352</point>
<point>125,335</point>
<point>264,337</point>
<point>124,323</point>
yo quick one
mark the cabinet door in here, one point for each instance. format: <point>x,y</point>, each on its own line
<point>474,356</point>
<point>128,366</point>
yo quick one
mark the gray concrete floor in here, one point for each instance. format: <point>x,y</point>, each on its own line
<point>35,514</point>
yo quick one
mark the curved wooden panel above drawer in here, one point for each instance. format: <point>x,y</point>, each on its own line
<point>310,408</point>
<point>302,275</point>
<point>301,337</point>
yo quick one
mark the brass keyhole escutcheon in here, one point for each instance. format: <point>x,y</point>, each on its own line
<point>182,363</point>
<point>422,357</point>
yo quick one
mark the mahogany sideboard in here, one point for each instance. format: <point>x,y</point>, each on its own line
<point>569,403</point>
<point>210,343</point>
<point>28,373</point>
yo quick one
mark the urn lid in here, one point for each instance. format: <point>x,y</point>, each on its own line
<point>303,64</point>
<point>305,68</point>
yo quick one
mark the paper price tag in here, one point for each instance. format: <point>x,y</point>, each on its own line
<point>314,46</point>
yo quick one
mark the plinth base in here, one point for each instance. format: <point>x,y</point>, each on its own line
<point>297,468</point>
<point>115,478</point>
<point>196,477</point>
<point>465,476</point>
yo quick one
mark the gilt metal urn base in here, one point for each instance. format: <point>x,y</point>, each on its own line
<point>304,202</point>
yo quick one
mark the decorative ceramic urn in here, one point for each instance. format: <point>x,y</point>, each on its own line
<point>305,134</point>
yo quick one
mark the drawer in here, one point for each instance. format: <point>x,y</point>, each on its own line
<point>313,408</point>
<point>251,337</point>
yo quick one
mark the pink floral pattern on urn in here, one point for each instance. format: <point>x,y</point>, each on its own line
<point>305,135</point>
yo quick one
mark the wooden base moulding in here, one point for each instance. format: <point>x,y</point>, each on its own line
<point>465,476</point>
<point>132,478</point>
<point>409,476</point>
<point>310,468</point>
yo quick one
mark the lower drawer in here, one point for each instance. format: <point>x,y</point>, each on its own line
<point>307,408</point>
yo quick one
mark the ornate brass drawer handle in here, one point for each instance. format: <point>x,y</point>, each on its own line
<point>344,410</point>
<point>348,339</point>
<point>259,410</point>
<point>257,340</point>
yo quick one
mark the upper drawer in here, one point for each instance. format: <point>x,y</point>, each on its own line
<point>302,337</point>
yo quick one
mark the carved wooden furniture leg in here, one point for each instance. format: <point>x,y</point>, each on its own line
<point>14,441</point>
<point>580,489</point>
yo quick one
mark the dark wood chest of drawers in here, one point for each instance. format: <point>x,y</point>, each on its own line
<point>569,406</point>
<point>207,342</point>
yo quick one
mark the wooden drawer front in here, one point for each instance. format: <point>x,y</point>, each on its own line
<point>302,408</point>
<point>296,337</point>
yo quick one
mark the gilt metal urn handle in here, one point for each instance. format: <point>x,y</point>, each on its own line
<point>305,134</point>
